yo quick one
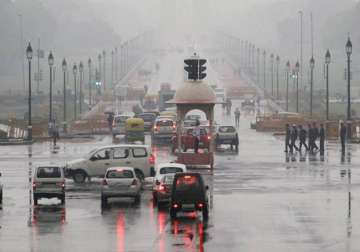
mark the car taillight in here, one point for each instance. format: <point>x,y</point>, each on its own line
<point>155,128</point>
<point>200,205</point>
<point>209,137</point>
<point>104,182</point>
<point>34,184</point>
<point>134,183</point>
<point>161,188</point>
<point>152,159</point>
<point>175,205</point>
<point>62,184</point>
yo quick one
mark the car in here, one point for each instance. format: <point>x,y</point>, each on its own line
<point>164,190</point>
<point>95,163</point>
<point>48,182</point>
<point>120,182</point>
<point>119,123</point>
<point>1,193</point>
<point>227,135</point>
<point>189,193</point>
<point>188,139</point>
<point>163,170</point>
<point>164,128</point>
<point>149,119</point>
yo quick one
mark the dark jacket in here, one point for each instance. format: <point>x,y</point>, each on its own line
<point>315,133</point>
<point>294,134</point>
<point>303,134</point>
<point>322,134</point>
<point>343,132</point>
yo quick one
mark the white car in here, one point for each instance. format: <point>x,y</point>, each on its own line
<point>48,182</point>
<point>119,122</point>
<point>164,128</point>
<point>120,182</point>
<point>95,163</point>
<point>160,172</point>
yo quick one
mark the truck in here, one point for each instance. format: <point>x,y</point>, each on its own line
<point>165,94</point>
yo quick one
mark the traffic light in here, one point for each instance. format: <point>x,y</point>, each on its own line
<point>202,69</point>
<point>195,68</point>
<point>192,68</point>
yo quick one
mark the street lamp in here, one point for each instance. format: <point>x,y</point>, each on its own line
<point>297,68</point>
<point>277,76</point>
<point>75,90</point>
<point>348,49</point>
<point>327,62</point>
<point>29,55</point>
<point>272,73</point>
<point>51,63</point>
<point>258,67</point>
<point>99,58</point>
<point>81,71</point>
<point>112,68</point>
<point>264,55</point>
<point>104,62</point>
<point>312,66</point>
<point>287,85</point>
<point>89,65</point>
<point>64,68</point>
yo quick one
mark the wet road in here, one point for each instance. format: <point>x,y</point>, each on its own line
<point>261,201</point>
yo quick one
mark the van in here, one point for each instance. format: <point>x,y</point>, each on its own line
<point>48,182</point>
<point>96,162</point>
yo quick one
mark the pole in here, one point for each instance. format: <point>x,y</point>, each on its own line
<point>38,68</point>
<point>297,92</point>
<point>90,102</point>
<point>287,91</point>
<point>112,68</point>
<point>264,73</point>
<point>116,64</point>
<point>64,91</point>
<point>75,97</point>
<point>348,100</point>
<point>81,92</point>
<point>272,75</point>
<point>50,94</point>
<point>277,79</point>
<point>301,47</point>
<point>104,63</point>
<point>258,67</point>
<point>311,89</point>
<point>29,106</point>
<point>327,92</point>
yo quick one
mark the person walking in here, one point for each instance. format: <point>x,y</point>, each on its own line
<point>287,137</point>
<point>315,136</point>
<point>302,137</point>
<point>310,138</point>
<point>237,117</point>
<point>322,139</point>
<point>55,133</point>
<point>293,138</point>
<point>196,134</point>
<point>342,137</point>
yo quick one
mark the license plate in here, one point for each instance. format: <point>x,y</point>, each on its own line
<point>188,205</point>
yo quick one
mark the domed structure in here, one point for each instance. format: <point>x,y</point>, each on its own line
<point>193,92</point>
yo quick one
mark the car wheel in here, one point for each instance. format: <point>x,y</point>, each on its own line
<point>205,212</point>
<point>62,199</point>
<point>35,200</point>
<point>137,198</point>
<point>1,199</point>
<point>79,176</point>
<point>104,202</point>
<point>172,213</point>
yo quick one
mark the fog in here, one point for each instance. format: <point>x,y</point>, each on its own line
<point>80,29</point>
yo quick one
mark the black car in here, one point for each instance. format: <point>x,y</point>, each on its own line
<point>189,194</point>
<point>149,119</point>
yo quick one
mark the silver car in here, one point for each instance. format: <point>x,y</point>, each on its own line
<point>120,182</point>
<point>49,182</point>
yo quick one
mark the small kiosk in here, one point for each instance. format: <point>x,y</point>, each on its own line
<point>195,95</point>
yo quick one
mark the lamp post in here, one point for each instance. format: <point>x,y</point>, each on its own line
<point>272,73</point>
<point>258,67</point>
<point>277,77</point>
<point>327,62</point>
<point>64,68</point>
<point>242,53</point>
<point>51,63</point>
<point>81,71</point>
<point>312,65</point>
<point>75,90</point>
<point>287,85</point>
<point>116,64</point>
<point>264,55</point>
<point>297,68</point>
<point>29,55</point>
<point>99,72</point>
<point>89,65</point>
<point>104,73</point>
<point>348,48</point>
<point>112,68</point>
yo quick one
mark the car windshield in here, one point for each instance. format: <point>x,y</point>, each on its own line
<point>226,129</point>
<point>168,180</point>
<point>147,117</point>
<point>119,174</point>
<point>48,172</point>
<point>187,182</point>
<point>165,123</point>
<point>166,170</point>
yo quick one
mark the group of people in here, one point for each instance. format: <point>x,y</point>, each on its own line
<point>311,134</point>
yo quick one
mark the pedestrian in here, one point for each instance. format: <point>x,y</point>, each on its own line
<point>310,138</point>
<point>322,139</point>
<point>315,136</point>
<point>237,117</point>
<point>196,134</point>
<point>302,137</point>
<point>55,133</point>
<point>293,138</point>
<point>287,137</point>
<point>342,137</point>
